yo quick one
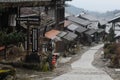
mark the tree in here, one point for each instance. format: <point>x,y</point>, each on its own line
<point>111,35</point>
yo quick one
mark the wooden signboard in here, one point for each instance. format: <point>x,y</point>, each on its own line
<point>34,40</point>
<point>36,19</point>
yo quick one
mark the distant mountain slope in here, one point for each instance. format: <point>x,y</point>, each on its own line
<point>75,11</point>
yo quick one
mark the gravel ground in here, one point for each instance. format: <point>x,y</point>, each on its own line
<point>23,74</point>
<point>99,62</point>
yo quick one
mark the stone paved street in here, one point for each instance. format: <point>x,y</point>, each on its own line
<point>84,70</point>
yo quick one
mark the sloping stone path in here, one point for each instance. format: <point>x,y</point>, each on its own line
<point>83,69</point>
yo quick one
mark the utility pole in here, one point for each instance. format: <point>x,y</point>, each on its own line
<point>28,37</point>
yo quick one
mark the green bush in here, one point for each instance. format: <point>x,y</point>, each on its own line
<point>111,47</point>
<point>112,51</point>
<point>111,35</point>
<point>114,61</point>
<point>106,52</point>
<point>11,38</point>
<point>106,45</point>
<point>2,38</point>
<point>45,67</point>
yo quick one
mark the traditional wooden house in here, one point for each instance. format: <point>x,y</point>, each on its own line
<point>70,36</point>
<point>72,27</point>
<point>94,21</point>
<point>89,17</point>
<point>10,17</point>
<point>91,35</point>
<point>100,34</point>
<point>117,32</point>
<point>80,31</point>
<point>52,35</point>
<point>79,21</point>
<point>103,24</point>
<point>63,46</point>
<point>62,41</point>
<point>115,21</point>
<point>117,37</point>
<point>95,24</point>
<point>66,23</point>
<point>70,41</point>
<point>77,29</point>
<point>12,9</point>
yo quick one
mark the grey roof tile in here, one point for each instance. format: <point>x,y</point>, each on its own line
<point>100,30</point>
<point>61,34</point>
<point>72,27</point>
<point>79,21</point>
<point>81,29</point>
<point>91,31</point>
<point>70,36</point>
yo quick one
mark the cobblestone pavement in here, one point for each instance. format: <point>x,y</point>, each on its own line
<point>83,69</point>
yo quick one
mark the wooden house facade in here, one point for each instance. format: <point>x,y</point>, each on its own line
<point>11,18</point>
<point>11,9</point>
<point>115,25</point>
<point>63,40</point>
<point>77,29</point>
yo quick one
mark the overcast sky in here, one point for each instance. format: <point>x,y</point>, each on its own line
<point>97,5</point>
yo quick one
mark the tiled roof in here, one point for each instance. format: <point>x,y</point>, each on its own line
<point>115,19</point>
<point>91,31</point>
<point>79,21</point>
<point>61,34</point>
<point>100,30</point>
<point>52,34</point>
<point>93,25</point>
<point>117,34</point>
<point>103,21</point>
<point>81,29</point>
<point>72,27</point>
<point>66,23</point>
<point>88,17</point>
<point>70,36</point>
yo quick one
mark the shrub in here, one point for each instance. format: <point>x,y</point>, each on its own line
<point>111,35</point>
<point>106,52</point>
<point>11,38</point>
<point>45,67</point>
<point>2,38</point>
<point>106,45</point>
<point>114,61</point>
<point>112,51</point>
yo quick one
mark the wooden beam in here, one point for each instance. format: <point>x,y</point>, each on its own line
<point>30,4</point>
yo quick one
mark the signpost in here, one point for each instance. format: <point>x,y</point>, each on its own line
<point>36,18</point>
<point>34,40</point>
<point>32,20</point>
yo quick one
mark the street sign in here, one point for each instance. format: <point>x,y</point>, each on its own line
<point>33,23</point>
<point>34,40</point>
<point>34,18</point>
<point>31,20</point>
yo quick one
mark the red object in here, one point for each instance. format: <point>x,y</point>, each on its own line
<point>2,48</point>
<point>54,60</point>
